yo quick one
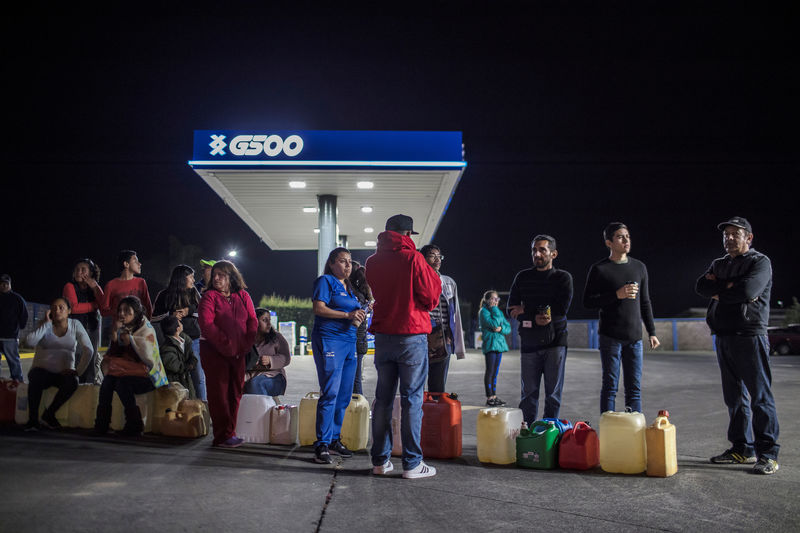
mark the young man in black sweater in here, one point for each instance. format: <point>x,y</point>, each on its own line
<point>539,299</point>
<point>618,287</point>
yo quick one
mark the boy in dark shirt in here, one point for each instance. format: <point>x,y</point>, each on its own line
<point>618,287</point>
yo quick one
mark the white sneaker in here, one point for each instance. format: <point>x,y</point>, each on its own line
<point>383,469</point>
<point>421,470</point>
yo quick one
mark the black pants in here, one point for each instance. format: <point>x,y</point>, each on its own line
<point>126,387</point>
<point>40,379</point>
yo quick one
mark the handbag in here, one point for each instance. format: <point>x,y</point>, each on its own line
<point>122,366</point>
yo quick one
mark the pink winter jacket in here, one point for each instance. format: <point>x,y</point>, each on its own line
<point>228,324</point>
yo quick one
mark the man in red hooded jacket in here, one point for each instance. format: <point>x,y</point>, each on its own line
<point>406,289</point>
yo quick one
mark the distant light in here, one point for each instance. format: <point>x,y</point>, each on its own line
<point>316,230</point>
<point>309,210</point>
<point>232,253</point>
<point>365,185</point>
<point>370,243</point>
<point>297,184</point>
<point>368,230</point>
<point>366,209</point>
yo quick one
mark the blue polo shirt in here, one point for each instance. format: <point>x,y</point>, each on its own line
<point>335,295</point>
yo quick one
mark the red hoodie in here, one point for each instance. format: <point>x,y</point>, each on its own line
<point>405,287</point>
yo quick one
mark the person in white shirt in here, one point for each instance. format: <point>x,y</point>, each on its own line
<point>57,339</point>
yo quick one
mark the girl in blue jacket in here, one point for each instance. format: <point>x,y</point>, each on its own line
<point>494,328</point>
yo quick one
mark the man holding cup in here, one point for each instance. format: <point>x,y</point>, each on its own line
<point>618,287</point>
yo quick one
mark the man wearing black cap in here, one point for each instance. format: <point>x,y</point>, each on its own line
<point>739,285</point>
<point>406,290</point>
<point>13,317</point>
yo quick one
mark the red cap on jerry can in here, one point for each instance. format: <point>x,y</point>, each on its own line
<point>663,412</point>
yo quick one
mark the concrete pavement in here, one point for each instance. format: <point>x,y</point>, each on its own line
<point>72,481</point>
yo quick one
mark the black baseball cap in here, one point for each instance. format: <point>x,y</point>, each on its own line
<point>400,223</point>
<point>5,277</point>
<point>739,222</point>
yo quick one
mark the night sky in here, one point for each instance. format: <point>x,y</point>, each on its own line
<point>570,120</point>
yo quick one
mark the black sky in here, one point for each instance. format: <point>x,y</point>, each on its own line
<point>671,123</point>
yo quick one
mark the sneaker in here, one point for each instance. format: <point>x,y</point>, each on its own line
<point>729,457</point>
<point>421,470</point>
<point>340,449</point>
<point>49,420</point>
<point>31,426</point>
<point>233,442</point>
<point>766,466</point>
<point>500,402</point>
<point>383,469</point>
<point>322,455</point>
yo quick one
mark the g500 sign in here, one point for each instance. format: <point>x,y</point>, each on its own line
<point>251,145</point>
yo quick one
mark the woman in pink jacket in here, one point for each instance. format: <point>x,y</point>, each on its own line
<point>228,328</point>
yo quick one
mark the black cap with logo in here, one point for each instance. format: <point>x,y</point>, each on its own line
<point>400,223</point>
<point>739,222</point>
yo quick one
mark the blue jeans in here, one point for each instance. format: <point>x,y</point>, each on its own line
<point>198,376</point>
<point>10,348</point>
<point>492,368</point>
<point>266,386</point>
<point>612,351</point>
<point>547,362</point>
<point>399,359</point>
<point>336,367</point>
<point>746,386</point>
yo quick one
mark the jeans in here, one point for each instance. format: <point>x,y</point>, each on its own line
<point>399,359</point>
<point>39,380</point>
<point>630,353</point>
<point>266,386</point>
<point>357,381</point>
<point>747,391</point>
<point>492,368</point>
<point>547,362</point>
<point>197,373</point>
<point>10,348</point>
<point>336,366</point>
<point>93,374</point>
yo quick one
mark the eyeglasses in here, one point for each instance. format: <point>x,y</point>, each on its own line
<point>434,257</point>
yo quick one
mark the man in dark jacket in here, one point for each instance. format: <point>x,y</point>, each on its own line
<point>406,289</point>
<point>739,286</point>
<point>13,317</point>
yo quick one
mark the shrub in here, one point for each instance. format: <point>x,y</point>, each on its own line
<point>298,309</point>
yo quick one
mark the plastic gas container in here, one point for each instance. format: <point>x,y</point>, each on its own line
<point>498,428</point>
<point>190,421</point>
<point>579,447</point>
<point>441,425</point>
<point>283,424</point>
<point>537,447</point>
<point>83,406</point>
<point>562,424</point>
<point>622,444</point>
<point>8,400</point>
<point>308,419</point>
<point>21,411</point>
<point>355,426</point>
<point>662,454</point>
<point>166,399</point>
<point>252,423</point>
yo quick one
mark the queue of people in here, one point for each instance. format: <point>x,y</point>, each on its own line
<point>417,326</point>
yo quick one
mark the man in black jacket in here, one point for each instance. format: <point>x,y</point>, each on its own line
<point>739,286</point>
<point>13,317</point>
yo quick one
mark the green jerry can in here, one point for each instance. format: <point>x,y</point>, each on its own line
<point>537,447</point>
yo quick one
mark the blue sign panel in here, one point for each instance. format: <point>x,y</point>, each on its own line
<point>328,148</point>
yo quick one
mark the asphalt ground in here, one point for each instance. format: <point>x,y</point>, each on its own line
<point>72,481</point>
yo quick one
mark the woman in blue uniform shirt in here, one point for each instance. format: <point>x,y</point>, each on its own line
<point>333,341</point>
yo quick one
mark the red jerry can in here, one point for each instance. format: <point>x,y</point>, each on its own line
<point>441,425</point>
<point>579,448</point>
<point>8,400</point>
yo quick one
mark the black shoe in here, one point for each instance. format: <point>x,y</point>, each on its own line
<point>729,457</point>
<point>49,420</point>
<point>340,449</point>
<point>499,402</point>
<point>322,455</point>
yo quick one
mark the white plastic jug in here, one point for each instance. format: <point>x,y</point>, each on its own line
<point>355,426</point>
<point>308,419</point>
<point>498,428</point>
<point>622,443</point>
<point>283,424</point>
<point>252,423</point>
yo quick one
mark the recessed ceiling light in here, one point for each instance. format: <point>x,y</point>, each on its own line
<point>297,184</point>
<point>365,185</point>
<point>366,209</point>
<point>368,230</point>
<point>370,243</point>
<point>309,210</point>
<point>316,230</point>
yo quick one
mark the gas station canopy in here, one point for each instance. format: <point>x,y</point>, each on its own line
<point>290,186</point>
